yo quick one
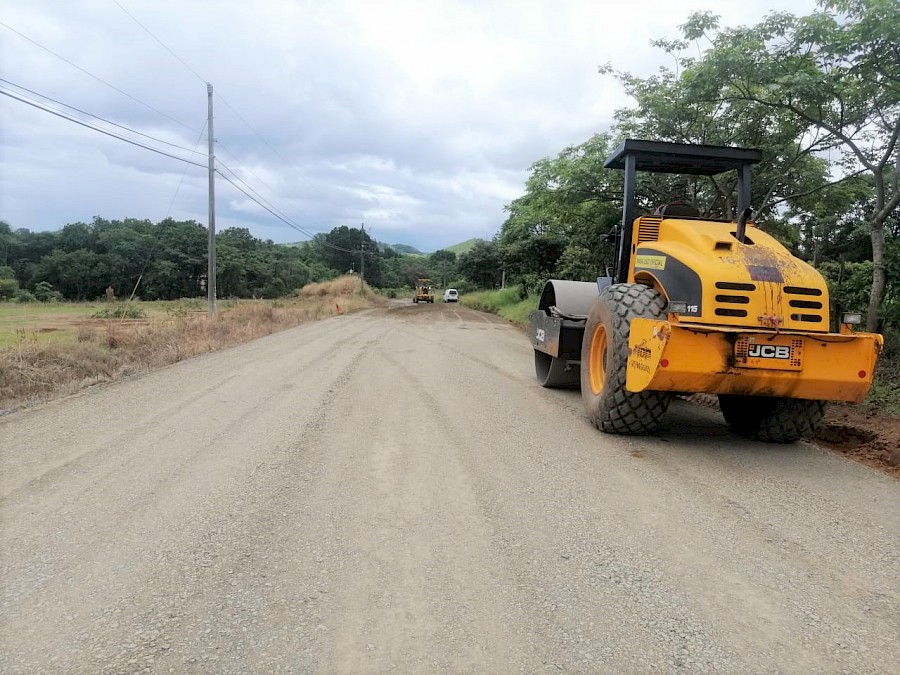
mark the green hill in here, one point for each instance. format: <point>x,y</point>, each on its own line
<point>405,249</point>
<point>463,246</point>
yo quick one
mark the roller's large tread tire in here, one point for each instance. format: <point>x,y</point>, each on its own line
<point>771,419</point>
<point>615,409</point>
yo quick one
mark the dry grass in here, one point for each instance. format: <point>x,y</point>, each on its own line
<point>103,351</point>
<point>347,286</point>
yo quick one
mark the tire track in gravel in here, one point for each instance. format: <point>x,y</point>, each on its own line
<point>413,600</point>
<point>173,499</point>
<point>111,440</point>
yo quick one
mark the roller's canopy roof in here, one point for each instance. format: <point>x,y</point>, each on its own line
<point>701,160</point>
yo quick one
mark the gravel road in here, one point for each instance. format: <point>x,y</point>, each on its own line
<point>390,491</point>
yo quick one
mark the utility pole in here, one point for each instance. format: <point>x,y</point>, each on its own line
<point>211,270</point>
<point>362,257</point>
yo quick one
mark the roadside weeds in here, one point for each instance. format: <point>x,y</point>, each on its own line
<point>105,350</point>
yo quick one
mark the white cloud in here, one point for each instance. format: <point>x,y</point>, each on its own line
<point>418,117</point>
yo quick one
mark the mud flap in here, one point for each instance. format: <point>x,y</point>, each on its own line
<point>544,332</point>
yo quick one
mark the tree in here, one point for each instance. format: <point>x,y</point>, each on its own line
<point>340,248</point>
<point>482,264</point>
<point>570,208</point>
<point>443,266</point>
<point>8,286</point>
<point>836,75</point>
<point>6,238</point>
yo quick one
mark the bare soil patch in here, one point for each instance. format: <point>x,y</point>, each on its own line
<point>861,433</point>
<point>867,436</point>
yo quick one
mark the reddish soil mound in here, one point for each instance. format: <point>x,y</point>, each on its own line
<point>864,435</point>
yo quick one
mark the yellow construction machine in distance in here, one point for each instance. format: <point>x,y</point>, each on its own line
<point>424,292</point>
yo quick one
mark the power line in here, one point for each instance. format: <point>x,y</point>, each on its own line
<point>224,100</point>
<point>147,30</point>
<point>261,200</point>
<point>102,119</point>
<point>39,106</point>
<point>282,218</point>
<point>74,65</point>
<point>184,175</point>
<point>265,142</point>
<point>250,171</point>
<point>258,199</point>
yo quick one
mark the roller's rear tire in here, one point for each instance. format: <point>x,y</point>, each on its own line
<point>771,419</point>
<point>604,360</point>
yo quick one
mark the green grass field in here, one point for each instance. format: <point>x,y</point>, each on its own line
<point>58,322</point>
<point>505,303</point>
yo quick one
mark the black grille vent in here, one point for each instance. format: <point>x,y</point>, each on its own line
<point>733,299</point>
<point>806,304</point>
<point>809,318</point>
<point>648,229</point>
<point>799,290</point>
<point>735,286</point>
<point>724,311</point>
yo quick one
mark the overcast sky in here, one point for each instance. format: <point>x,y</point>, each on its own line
<point>418,118</point>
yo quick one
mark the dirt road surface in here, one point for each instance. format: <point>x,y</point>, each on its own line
<point>390,491</point>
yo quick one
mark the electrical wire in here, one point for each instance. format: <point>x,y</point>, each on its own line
<point>90,74</point>
<point>247,170</point>
<point>261,203</point>
<point>102,119</point>
<point>162,44</point>
<point>265,142</point>
<point>64,116</point>
<point>186,169</point>
<point>242,119</point>
<point>222,98</point>
<point>257,199</point>
<point>260,198</point>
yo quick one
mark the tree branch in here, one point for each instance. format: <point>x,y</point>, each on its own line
<point>891,145</point>
<point>746,96</point>
<point>814,190</point>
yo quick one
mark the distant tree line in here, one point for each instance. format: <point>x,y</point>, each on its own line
<point>165,260</point>
<point>168,260</point>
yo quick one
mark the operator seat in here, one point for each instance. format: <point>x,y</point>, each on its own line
<point>677,210</point>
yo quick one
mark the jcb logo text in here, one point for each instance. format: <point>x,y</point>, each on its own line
<point>769,352</point>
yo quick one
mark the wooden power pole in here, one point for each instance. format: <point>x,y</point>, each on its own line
<point>211,270</point>
<point>362,257</point>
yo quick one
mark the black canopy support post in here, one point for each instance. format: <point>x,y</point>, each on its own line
<point>743,202</point>
<point>627,228</point>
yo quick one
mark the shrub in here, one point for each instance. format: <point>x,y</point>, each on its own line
<point>8,288</point>
<point>24,296</point>
<point>124,312</point>
<point>44,291</point>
